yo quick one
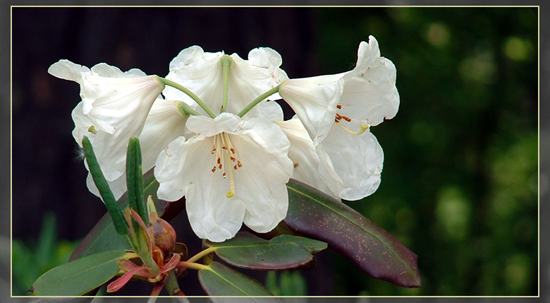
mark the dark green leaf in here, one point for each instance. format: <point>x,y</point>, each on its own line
<point>103,236</point>
<point>371,248</point>
<point>78,277</point>
<point>102,185</point>
<point>246,250</point>
<point>220,280</point>
<point>134,179</point>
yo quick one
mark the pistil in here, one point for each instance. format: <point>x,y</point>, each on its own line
<point>224,150</point>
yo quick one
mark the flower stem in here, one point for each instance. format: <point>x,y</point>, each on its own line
<point>258,100</point>
<point>172,285</point>
<point>201,254</point>
<point>191,265</point>
<point>190,94</point>
<point>186,110</point>
<point>226,63</point>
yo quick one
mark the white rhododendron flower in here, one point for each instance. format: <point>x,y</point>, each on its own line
<point>357,99</point>
<point>200,72</point>
<point>338,110</point>
<point>113,109</point>
<point>214,134</point>
<point>232,171</point>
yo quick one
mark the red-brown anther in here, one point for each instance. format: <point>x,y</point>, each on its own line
<point>235,167</point>
<point>213,150</point>
<point>220,166</point>
<point>219,160</point>
<point>339,106</point>
<point>346,118</point>
<point>239,164</point>
<point>232,150</point>
<point>232,158</point>
<point>214,169</point>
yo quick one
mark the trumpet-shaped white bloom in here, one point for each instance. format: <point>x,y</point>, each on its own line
<point>337,110</point>
<point>113,109</point>
<point>232,171</point>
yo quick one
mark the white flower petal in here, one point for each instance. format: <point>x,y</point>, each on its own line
<point>67,70</point>
<point>163,125</point>
<point>250,78</point>
<point>271,111</point>
<point>201,73</point>
<point>351,164</point>
<point>304,155</point>
<point>370,95</point>
<point>314,101</point>
<point>119,103</point>
<point>261,181</point>
<point>209,127</point>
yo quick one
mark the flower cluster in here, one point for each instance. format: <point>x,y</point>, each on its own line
<point>214,133</point>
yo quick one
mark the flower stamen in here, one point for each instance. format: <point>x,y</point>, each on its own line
<point>223,143</point>
<point>362,130</point>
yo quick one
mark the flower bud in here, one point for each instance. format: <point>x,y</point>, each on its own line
<point>164,234</point>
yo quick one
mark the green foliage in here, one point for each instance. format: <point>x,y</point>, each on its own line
<point>220,280</point>
<point>289,283</point>
<point>30,261</point>
<point>459,186</point>
<point>80,276</point>
<point>282,252</point>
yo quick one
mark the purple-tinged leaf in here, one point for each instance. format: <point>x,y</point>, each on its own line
<point>371,248</point>
<point>219,280</point>
<point>246,250</point>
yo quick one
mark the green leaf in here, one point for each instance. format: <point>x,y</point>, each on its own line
<point>103,236</point>
<point>219,280</point>
<point>102,185</point>
<point>371,248</point>
<point>134,179</point>
<point>289,283</point>
<point>246,250</point>
<point>78,277</point>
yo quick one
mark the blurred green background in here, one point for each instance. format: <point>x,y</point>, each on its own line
<point>460,179</point>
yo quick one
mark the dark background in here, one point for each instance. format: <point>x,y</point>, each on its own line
<point>460,179</point>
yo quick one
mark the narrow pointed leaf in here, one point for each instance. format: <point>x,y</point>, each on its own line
<point>371,248</point>
<point>220,280</point>
<point>246,250</point>
<point>78,277</point>
<point>102,185</point>
<point>103,236</point>
<point>134,179</point>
